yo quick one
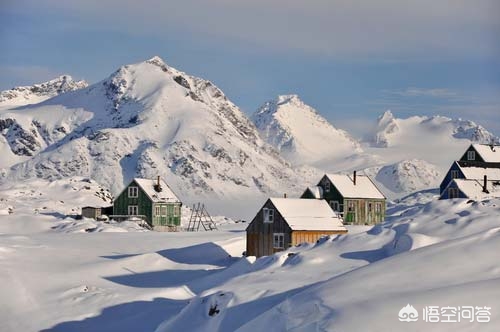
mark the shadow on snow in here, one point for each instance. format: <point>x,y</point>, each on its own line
<point>132,316</point>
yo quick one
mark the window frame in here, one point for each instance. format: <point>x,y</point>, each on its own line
<point>133,192</point>
<point>268,215</point>
<point>333,204</point>
<point>471,155</point>
<point>454,174</point>
<point>453,193</point>
<point>279,240</point>
<point>327,186</point>
<point>131,208</point>
<point>158,210</point>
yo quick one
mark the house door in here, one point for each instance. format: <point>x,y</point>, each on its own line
<point>369,212</point>
<point>350,214</point>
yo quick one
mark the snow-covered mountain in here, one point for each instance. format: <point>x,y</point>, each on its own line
<point>146,119</point>
<point>391,131</point>
<point>23,95</point>
<point>301,134</point>
<point>406,176</point>
<point>414,153</point>
<point>149,119</point>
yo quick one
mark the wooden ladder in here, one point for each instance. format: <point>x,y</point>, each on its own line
<point>200,216</point>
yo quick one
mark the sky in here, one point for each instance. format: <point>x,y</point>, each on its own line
<point>349,59</point>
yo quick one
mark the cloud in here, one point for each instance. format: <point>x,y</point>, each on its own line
<point>339,28</point>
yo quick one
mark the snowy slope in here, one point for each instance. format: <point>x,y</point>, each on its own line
<point>437,253</point>
<point>437,140</point>
<point>148,119</point>
<point>429,252</point>
<point>414,153</point>
<point>301,134</point>
<point>406,176</point>
<point>23,95</point>
<point>22,135</point>
<point>401,155</point>
<point>61,197</point>
<point>391,131</point>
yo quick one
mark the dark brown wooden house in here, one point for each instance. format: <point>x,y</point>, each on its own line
<point>285,222</point>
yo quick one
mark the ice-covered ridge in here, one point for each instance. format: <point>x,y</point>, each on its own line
<point>36,93</point>
<point>300,133</point>
<point>144,120</point>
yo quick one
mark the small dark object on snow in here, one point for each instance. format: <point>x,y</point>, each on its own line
<point>213,310</point>
<point>291,254</point>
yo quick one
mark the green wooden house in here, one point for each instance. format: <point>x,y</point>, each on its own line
<point>356,198</point>
<point>151,200</point>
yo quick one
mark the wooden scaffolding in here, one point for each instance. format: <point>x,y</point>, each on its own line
<point>200,216</point>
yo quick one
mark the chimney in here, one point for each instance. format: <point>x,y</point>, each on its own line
<point>284,195</point>
<point>354,178</point>
<point>485,182</point>
<point>157,185</point>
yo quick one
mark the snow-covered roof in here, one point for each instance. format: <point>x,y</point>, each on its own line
<point>165,195</point>
<point>489,153</point>
<point>478,173</point>
<point>317,191</point>
<point>308,214</point>
<point>364,187</point>
<point>474,188</point>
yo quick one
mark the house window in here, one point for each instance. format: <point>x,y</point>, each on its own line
<point>335,205</point>
<point>453,192</point>
<point>268,215</point>
<point>454,173</point>
<point>279,240</point>
<point>177,210</point>
<point>369,207</point>
<point>158,211</point>
<point>378,208</point>
<point>471,155</point>
<point>133,192</point>
<point>133,210</point>
<point>327,186</point>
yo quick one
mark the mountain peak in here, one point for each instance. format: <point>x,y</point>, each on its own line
<point>38,92</point>
<point>387,116</point>
<point>391,131</point>
<point>284,103</point>
<point>156,60</point>
<point>284,99</point>
<point>298,131</point>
